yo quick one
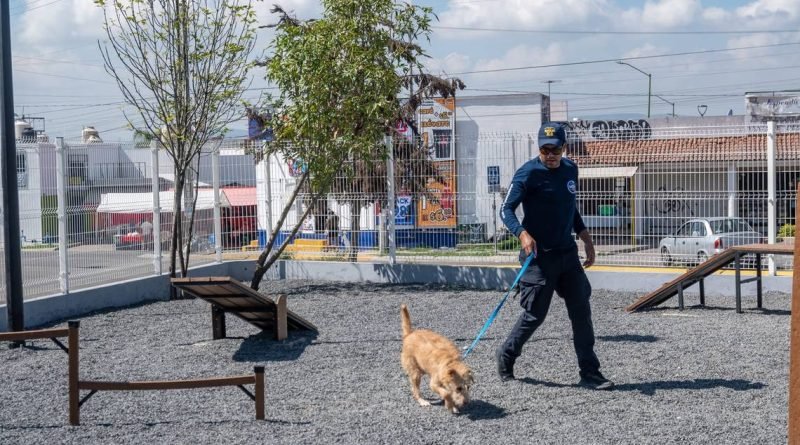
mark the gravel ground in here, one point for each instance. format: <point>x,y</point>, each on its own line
<point>703,375</point>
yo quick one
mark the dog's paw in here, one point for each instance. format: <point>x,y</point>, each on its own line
<point>423,402</point>
<point>454,410</point>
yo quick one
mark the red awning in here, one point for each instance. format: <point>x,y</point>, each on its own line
<point>240,196</point>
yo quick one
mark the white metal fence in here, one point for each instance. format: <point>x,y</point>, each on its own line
<point>636,188</point>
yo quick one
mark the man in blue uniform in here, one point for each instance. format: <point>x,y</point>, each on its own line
<point>545,187</point>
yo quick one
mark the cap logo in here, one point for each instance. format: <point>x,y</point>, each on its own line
<point>549,131</point>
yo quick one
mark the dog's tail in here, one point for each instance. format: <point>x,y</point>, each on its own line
<point>405,320</point>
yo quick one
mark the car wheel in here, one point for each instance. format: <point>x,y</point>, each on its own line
<point>701,258</point>
<point>666,259</point>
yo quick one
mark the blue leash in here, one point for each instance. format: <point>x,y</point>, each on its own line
<point>499,305</point>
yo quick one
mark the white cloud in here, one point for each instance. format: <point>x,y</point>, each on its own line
<point>770,10</point>
<point>452,63</point>
<point>670,13</point>
<point>715,15</point>
<point>537,14</point>
<point>647,49</point>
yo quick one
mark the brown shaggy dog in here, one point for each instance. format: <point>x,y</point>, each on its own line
<point>426,352</point>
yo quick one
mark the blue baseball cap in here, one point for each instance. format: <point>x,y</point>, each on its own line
<point>552,133</point>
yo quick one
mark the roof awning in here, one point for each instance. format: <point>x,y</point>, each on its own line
<point>143,202</point>
<point>606,172</point>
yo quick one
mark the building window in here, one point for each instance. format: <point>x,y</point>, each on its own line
<point>77,169</point>
<point>22,170</point>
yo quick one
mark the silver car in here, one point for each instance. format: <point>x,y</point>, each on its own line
<point>698,239</point>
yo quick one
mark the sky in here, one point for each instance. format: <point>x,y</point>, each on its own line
<point>697,52</point>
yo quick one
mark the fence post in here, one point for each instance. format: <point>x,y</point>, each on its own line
<point>217,210</point>
<point>156,208</point>
<point>771,222</point>
<point>390,229</point>
<point>794,346</point>
<point>61,197</point>
<point>732,191</point>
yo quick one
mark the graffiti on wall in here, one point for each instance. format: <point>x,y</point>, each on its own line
<point>612,130</point>
<point>673,202</point>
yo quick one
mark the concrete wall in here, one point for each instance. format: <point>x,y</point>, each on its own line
<point>50,309</point>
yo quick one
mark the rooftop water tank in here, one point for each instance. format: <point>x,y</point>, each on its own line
<point>23,131</point>
<point>90,135</point>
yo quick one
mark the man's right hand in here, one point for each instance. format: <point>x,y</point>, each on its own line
<point>528,243</point>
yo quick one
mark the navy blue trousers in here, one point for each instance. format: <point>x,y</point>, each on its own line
<point>561,272</point>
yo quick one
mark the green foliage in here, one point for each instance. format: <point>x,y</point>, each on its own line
<point>786,230</point>
<point>511,243</point>
<point>339,79</point>
<point>182,67</point>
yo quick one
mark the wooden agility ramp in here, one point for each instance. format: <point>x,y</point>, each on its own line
<point>227,295</point>
<point>708,267</point>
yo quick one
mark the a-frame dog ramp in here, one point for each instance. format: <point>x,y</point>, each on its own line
<point>708,267</point>
<point>228,295</point>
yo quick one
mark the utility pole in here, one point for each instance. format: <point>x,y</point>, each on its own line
<point>649,83</point>
<point>665,100</point>
<point>8,181</point>
<point>549,82</point>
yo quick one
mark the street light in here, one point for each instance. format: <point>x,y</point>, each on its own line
<point>649,83</point>
<point>665,100</point>
<point>549,82</point>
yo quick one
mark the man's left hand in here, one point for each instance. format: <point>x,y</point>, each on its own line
<point>589,248</point>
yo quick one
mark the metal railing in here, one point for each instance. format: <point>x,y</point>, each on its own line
<point>636,188</point>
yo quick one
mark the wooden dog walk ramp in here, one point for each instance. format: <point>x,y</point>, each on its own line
<point>228,295</point>
<point>708,267</point>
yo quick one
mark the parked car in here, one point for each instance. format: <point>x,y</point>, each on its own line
<point>698,239</point>
<point>128,241</point>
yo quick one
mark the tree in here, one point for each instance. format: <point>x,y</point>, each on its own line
<point>183,66</point>
<point>340,79</point>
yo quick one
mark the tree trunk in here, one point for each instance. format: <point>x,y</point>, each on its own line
<point>355,229</point>
<point>177,222</point>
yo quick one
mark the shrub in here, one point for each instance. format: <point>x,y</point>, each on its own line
<point>786,230</point>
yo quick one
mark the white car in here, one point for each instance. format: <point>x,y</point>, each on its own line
<point>698,239</point>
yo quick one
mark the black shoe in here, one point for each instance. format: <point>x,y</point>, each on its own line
<point>595,380</point>
<point>504,369</point>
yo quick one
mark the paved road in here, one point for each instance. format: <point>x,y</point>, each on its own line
<point>88,266</point>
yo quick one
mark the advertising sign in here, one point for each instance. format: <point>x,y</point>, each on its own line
<point>436,119</point>
<point>780,106</point>
<point>404,211</point>
<point>443,212</point>
<point>256,128</point>
<point>493,178</point>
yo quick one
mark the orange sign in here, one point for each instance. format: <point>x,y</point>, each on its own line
<point>443,212</point>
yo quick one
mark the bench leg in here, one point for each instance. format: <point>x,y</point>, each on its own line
<point>259,390</point>
<point>281,327</point>
<point>738,266</point>
<point>217,322</point>
<point>759,287</point>
<point>702,293</point>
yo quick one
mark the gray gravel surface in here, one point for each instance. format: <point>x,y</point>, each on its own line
<point>703,375</point>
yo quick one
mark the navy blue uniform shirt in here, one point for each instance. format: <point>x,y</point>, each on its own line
<point>548,200</point>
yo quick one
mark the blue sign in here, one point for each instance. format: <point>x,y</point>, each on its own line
<point>404,211</point>
<point>257,131</point>
<point>493,178</point>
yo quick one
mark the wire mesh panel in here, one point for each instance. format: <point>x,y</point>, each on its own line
<point>665,196</point>
<point>108,211</point>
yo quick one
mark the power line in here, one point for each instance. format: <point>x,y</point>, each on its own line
<point>587,62</point>
<point>573,31</point>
